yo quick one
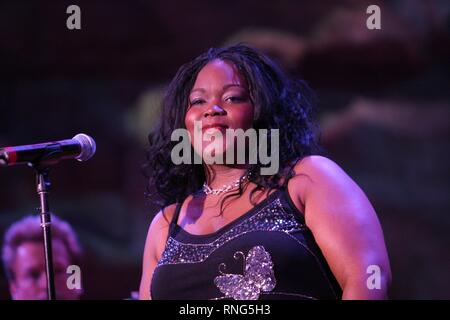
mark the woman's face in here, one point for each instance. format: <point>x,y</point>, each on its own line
<point>220,100</point>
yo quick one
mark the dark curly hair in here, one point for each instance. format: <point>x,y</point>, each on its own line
<point>280,103</point>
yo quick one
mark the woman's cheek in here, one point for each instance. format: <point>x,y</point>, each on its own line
<point>243,119</point>
<point>189,120</point>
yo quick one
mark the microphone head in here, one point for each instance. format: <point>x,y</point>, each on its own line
<point>88,146</point>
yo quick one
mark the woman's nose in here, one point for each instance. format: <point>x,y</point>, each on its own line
<point>214,110</point>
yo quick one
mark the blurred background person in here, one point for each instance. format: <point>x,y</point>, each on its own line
<point>24,260</point>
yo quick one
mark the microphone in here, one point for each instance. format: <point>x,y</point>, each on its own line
<point>81,147</point>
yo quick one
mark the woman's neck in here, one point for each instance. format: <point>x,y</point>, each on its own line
<point>219,175</point>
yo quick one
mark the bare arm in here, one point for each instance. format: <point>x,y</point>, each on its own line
<point>154,246</point>
<point>345,226</point>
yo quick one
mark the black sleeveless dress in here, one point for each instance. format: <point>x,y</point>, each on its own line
<point>267,253</point>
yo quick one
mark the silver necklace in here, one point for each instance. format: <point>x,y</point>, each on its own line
<point>226,187</point>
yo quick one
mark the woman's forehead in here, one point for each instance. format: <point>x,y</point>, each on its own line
<point>218,72</point>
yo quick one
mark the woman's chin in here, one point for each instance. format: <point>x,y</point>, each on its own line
<point>216,154</point>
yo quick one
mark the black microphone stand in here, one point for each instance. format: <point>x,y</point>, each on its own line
<point>43,187</point>
<point>42,168</point>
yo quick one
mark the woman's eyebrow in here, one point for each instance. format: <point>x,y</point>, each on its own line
<point>233,85</point>
<point>225,87</point>
<point>198,89</point>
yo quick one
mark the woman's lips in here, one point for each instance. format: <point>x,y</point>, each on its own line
<point>214,127</point>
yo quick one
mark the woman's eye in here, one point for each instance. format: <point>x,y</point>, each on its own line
<point>235,99</point>
<point>196,101</point>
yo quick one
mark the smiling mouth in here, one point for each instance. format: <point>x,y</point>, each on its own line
<point>218,127</point>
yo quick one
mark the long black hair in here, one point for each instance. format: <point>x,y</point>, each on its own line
<point>280,103</point>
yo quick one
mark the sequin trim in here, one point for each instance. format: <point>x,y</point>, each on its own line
<point>272,217</point>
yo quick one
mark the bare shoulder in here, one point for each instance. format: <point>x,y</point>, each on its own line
<point>158,230</point>
<point>163,218</point>
<point>317,166</point>
<point>154,246</point>
<point>322,179</point>
<point>319,171</point>
<point>309,170</point>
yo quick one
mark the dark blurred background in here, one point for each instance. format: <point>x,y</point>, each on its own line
<point>383,107</point>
